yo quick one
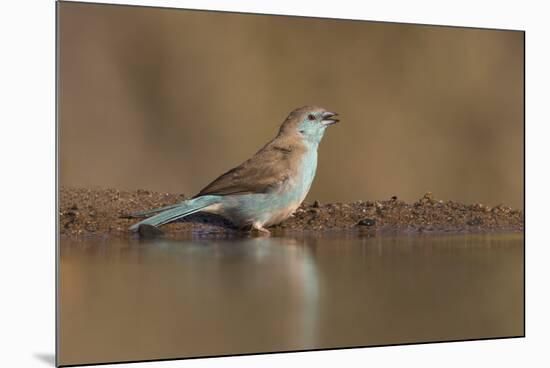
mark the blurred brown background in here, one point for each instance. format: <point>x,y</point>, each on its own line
<point>167,100</point>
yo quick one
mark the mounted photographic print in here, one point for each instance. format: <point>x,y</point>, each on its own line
<point>234,183</point>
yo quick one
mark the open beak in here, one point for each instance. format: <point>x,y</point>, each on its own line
<point>328,118</point>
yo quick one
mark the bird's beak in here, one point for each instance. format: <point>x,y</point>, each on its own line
<point>328,118</point>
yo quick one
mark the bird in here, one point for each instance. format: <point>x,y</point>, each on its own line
<point>265,189</point>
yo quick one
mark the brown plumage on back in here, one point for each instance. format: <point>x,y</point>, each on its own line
<point>266,170</point>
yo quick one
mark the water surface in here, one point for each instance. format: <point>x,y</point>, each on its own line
<point>136,300</point>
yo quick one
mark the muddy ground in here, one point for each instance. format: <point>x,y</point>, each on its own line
<point>84,212</point>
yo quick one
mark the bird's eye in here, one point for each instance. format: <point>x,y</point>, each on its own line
<point>311,117</point>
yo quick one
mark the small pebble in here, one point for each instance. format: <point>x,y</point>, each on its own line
<point>149,231</point>
<point>476,221</point>
<point>367,222</point>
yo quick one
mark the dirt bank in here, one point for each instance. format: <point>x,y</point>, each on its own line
<point>100,212</point>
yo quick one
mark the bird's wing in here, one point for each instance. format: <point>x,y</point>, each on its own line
<point>265,171</point>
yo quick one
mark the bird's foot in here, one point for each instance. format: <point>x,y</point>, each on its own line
<point>259,230</point>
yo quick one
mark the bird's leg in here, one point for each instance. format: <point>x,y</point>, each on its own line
<point>258,227</point>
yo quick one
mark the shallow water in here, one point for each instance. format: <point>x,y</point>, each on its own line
<point>136,300</point>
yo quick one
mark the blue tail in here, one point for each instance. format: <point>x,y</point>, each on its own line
<point>150,212</point>
<point>178,211</point>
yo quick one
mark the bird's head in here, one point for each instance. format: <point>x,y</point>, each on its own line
<point>308,122</point>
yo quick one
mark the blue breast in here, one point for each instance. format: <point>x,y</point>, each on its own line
<point>309,167</point>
